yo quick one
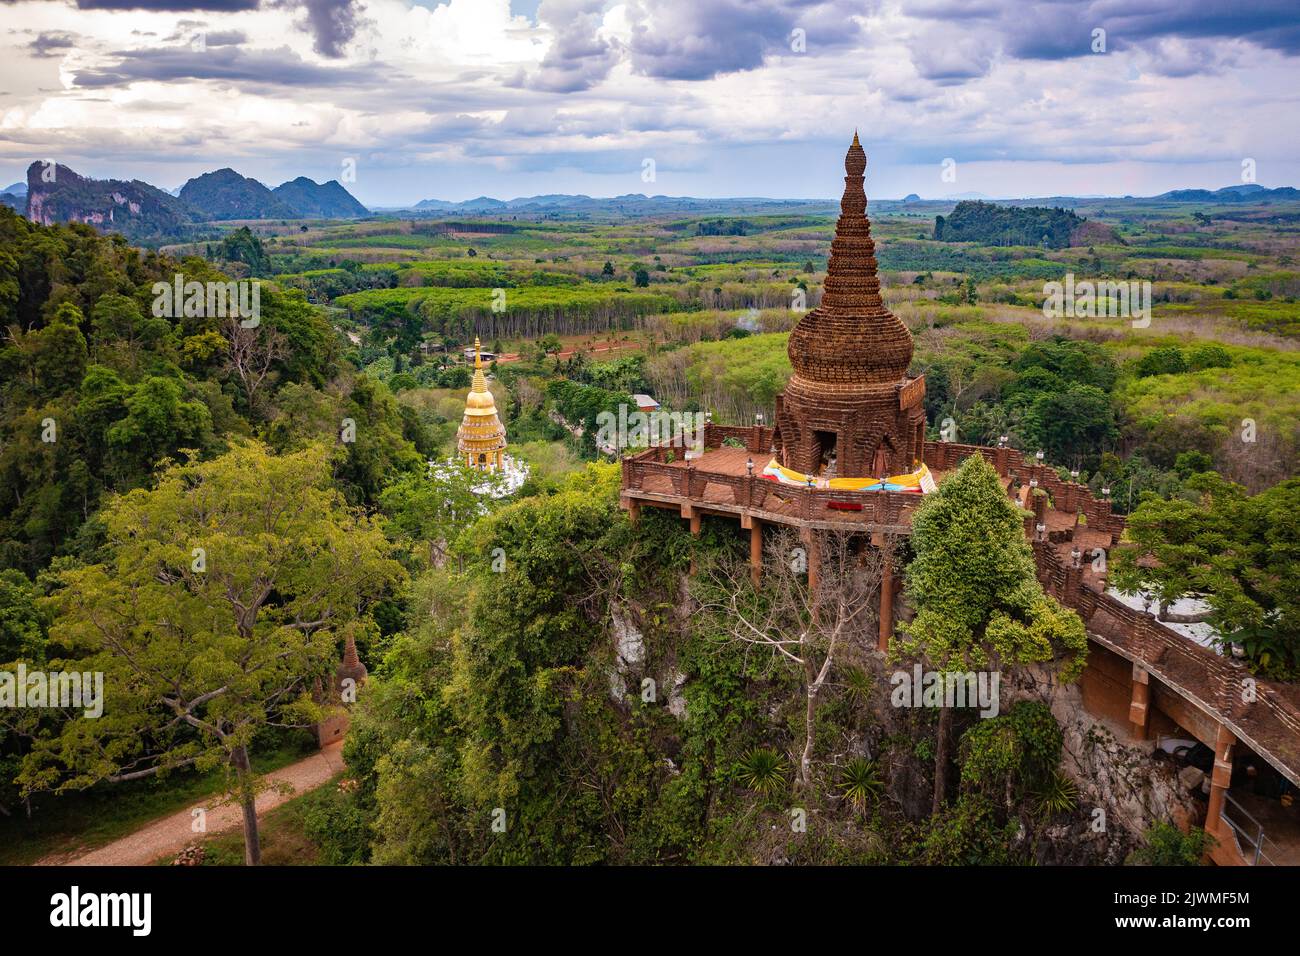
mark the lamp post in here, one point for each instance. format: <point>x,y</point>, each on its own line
<point>749,467</point>
<point>1105,492</point>
<point>1076,556</point>
<point>1002,441</point>
<point>1039,456</point>
<point>1042,531</point>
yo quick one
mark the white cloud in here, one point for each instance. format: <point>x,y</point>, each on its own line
<point>593,86</point>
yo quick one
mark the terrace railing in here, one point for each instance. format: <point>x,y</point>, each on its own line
<point>1254,845</point>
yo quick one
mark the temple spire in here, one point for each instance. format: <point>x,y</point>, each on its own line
<point>481,438</point>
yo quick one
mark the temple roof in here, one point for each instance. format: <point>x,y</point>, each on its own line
<point>851,338</point>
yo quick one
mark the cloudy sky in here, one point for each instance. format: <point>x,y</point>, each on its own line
<point>452,99</point>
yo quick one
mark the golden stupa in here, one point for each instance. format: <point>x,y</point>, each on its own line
<point>481,438</point>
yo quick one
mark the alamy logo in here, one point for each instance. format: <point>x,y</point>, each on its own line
<point>103,909</point>
<point>946,689</point>
<point>24,689</point>
<point>1098,300</point>
<point>219,300</point>
<point>640,429</point>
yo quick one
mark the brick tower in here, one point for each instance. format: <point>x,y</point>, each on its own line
<point>850,409</point>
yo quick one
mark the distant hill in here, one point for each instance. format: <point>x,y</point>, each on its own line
<point>141,212</point>
<point>1245,192</point>
<point>224,194</point>
<point>563,205</point>
<point>311,200</point>
<point>1007,225</point>
<point>16,189</point>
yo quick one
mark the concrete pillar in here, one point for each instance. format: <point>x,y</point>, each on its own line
<point>814,560</point>
<point>1139,708</point>
<point>633,510</point>
<point>886,632</point>
<point>1220,780</point>
<point>755,550</point>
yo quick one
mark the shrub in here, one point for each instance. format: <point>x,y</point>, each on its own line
<point>1162,361</point>
<point>1169,846</point>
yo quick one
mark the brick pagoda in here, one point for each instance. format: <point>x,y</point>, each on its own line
<point>850,409</point>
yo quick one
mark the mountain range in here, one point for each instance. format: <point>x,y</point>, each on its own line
<point>145,213</point>
<point>635,203</point>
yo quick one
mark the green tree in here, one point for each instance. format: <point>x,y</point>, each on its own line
<point>434,507</point>
<point>120,327</point>
<point>226,590</point>
<point>60,355</point>
<point>1072,425</point>
<point>1239,553</point>
<point>978,602</point>
<point>158,422</point>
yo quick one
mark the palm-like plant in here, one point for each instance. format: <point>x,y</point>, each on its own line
<point>861,782</point>
<point>857,684</point>
<point>763,770</point>
<point>1057,794</point>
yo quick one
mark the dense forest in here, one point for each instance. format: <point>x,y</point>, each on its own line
<point>1000,225</point>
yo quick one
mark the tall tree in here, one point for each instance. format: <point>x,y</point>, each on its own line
<point>809,628</point>
<point>978,603</point>
<point>227,590</point>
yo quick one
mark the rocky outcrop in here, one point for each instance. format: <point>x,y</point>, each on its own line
<point>142,213</point>
<point>1118,777</point>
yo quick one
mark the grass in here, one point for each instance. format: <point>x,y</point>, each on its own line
<point>92,818</point>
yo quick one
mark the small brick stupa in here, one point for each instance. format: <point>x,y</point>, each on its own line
<point>850,410</point>
<point>350,675</point>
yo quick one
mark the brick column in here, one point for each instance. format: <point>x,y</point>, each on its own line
<point>1139,706</point>
<point>755,550</point>
<point>886,630</point>
<point>814,560</point>
<point>1220,781</point>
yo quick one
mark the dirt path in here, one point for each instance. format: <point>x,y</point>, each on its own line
<point>568,353</point>
<point>171,834</point>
